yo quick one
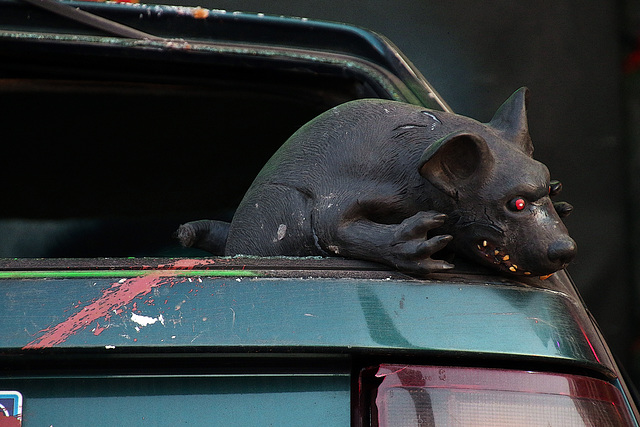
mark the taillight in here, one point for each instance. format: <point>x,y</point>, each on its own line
<point>453,396</point>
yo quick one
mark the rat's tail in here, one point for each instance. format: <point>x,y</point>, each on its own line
<point>205,234</point>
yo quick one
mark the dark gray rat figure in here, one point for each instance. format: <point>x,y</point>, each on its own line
<point>395,183</point>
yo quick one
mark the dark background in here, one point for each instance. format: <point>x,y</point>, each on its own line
<point>578,60</point>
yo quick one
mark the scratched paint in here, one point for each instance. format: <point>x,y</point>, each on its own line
<point>188,264</point>
<point>113,298</point>
<point>135,284</point>
<point>146,320</point>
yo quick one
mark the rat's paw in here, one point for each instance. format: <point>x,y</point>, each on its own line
<point>411,249</point>
<point>563,209</point>
<point>417,226</point>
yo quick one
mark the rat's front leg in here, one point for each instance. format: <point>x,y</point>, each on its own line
<point>404,246</point>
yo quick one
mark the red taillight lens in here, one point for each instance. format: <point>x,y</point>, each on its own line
<point>446,396</point>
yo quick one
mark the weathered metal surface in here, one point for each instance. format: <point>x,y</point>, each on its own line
<point>211,263</point>
<point>167,309</point>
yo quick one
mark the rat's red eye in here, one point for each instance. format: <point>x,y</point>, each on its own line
<point>517,204</point>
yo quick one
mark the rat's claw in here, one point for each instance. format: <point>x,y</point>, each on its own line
<point>563,209</point>
<point>417,226</point>
<point>555,187</point>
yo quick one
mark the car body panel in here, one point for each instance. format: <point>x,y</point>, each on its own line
<point>247,307</point>
<point>235,340</point>
<point>171,400</point>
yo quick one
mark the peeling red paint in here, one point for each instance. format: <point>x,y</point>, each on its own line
<point>188,264</point>
<point>98,330</point>
<point>112,300</point>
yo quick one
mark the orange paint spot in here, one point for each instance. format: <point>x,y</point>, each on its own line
<point>200,13</point>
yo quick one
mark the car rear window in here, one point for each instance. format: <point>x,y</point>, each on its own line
<point>108,157</point>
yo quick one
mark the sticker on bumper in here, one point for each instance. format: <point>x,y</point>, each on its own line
<point>10,409</point>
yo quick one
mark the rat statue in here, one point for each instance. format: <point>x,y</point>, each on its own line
<point>395,183</point>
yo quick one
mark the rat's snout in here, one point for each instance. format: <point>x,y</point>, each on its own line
<point>562,251</point>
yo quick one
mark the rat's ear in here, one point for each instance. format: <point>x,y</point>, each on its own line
<point>511,120</point>
<point>455,161</point>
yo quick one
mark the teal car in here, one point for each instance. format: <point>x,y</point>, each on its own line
<point>123,121</point>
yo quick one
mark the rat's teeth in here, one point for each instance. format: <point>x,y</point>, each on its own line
<point>546,277</point>
<point>527,273</point>
<point>505,258</point>
<point>479,247</point>
<point>513,268</point>
<point>484,243</point>
<point>496,252</point>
